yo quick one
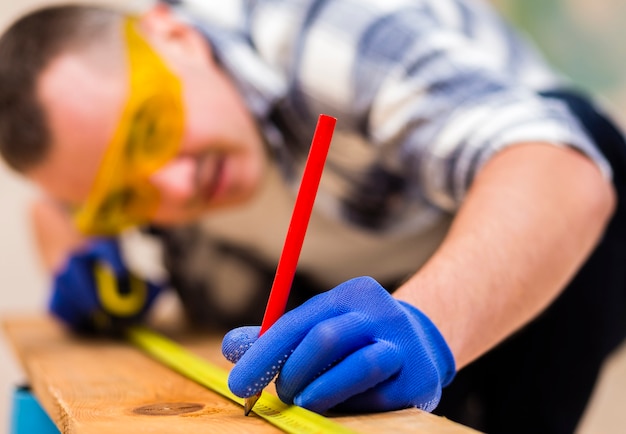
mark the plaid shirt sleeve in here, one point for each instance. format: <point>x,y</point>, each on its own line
<point>429,91</point>
<point>433,87</point>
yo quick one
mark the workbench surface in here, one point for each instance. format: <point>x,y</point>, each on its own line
<point>89,385</point>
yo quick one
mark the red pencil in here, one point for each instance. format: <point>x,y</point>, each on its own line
<point>300,217</point>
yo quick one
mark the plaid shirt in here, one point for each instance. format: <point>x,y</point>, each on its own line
<point>425,92</point>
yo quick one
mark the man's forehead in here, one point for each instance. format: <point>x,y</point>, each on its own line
<point>82,106</point>
<point>74,81</point>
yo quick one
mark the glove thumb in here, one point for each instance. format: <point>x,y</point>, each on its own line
<point>237,341</point>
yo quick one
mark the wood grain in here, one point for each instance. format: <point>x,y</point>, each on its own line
<point>99,386</point>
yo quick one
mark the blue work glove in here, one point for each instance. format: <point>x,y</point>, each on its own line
<point>353,348</point>
<point>95,292</point>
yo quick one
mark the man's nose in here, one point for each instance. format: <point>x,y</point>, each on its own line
<point>176,180</point>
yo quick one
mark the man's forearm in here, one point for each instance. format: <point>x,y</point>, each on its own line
<point>531,217</point>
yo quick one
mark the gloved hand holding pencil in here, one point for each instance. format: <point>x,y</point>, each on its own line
<point>95,292</point>
<point>353,348</point>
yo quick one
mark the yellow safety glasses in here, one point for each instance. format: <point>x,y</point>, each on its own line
<point>148,135</point>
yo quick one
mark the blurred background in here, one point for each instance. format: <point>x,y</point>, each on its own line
<point>581,38</point>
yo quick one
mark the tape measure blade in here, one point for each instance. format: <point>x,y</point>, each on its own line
<point>289,418</point>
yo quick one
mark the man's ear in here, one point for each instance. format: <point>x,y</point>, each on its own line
<point>166,32</point>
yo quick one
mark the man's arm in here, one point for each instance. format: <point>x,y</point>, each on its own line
<point>531,217</point>
<point>528,222</point>
<point>92,289</point>
<point>54,233</point>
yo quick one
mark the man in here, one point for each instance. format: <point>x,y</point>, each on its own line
<point>460,177</point>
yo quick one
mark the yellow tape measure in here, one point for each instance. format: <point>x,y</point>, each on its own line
<point>289,418</point>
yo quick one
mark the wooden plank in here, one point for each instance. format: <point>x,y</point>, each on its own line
<point>99,386</point>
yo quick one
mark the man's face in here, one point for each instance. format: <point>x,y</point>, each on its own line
<point>218,163</point>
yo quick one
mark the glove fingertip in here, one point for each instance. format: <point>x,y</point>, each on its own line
<point>314,406</point>
<point>237,341</point>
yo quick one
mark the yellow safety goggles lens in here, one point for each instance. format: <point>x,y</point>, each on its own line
<point>148,135</point>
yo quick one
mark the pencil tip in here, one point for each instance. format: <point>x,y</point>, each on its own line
<point>249,402</point>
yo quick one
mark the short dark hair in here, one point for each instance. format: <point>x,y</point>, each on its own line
<point>26,48</point>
